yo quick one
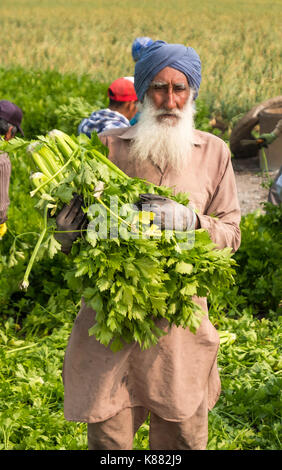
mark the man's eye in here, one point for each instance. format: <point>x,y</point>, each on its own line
<point>180,87</point>
<point>158,86</point>
<point>164,87</point>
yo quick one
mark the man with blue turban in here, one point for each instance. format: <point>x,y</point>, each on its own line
<point>177,380</point>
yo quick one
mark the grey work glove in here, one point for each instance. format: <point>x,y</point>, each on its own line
<point>70,219</point>
<point>169,214</point>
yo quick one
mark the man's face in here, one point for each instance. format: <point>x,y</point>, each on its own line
<point>169,92</point>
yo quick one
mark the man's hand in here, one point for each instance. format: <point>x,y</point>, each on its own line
<point>70,220</point>
<point>3,229</point>
<point>169,214</point>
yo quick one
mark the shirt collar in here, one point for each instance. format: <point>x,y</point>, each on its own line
<point>131,132</point>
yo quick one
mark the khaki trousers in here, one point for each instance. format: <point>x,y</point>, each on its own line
<point>117,433</point>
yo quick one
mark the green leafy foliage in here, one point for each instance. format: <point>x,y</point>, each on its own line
<point>260,259</point>
<point>258,268</point>
<point>133,279</point>
<point>51,100</point>
<point>247,415</point>
<point>31,388</point>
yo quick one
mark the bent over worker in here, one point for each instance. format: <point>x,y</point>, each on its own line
<point>177,380</point>
<point>10,124</point>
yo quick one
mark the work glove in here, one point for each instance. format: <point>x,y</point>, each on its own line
<point>267,139</point>
<point>271,136</point>
<point>169,214</point>
<point>71,220</point>
<point>3,229</point>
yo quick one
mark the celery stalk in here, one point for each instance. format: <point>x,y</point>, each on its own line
<point>37,179</point>
<point>44,158</point>
<point>66,145</point>
<point>62,137</point>
<point>55,175</point>
<point>41,164</point>
<point>25,282</point>
<point>65,142</point>
<point>50,160</point>
<point>110,164</point>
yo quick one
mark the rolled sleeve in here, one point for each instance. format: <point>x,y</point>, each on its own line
<point>222,219</point>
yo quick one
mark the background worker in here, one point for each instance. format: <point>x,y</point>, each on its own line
<point>177,380</point>
<point>10,124</point>
<point>275,191</point>
<point>122,107</point>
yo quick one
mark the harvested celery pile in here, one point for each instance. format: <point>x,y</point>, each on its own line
<point>128,271</point>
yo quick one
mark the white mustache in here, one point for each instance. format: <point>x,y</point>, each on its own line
<point>161,112</point>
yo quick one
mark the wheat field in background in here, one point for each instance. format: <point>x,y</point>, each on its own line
<point>239,42</point>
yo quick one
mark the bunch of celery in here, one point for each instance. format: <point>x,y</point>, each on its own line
<point>132,282</point>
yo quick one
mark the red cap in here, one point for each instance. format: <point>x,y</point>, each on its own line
<point>122,89</point>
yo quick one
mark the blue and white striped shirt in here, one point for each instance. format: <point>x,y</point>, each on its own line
<point>102,120</point>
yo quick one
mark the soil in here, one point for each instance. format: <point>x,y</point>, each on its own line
<point>249,180</point>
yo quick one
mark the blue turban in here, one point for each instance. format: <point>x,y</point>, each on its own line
<point>138,46</point>
<point>159,55</point>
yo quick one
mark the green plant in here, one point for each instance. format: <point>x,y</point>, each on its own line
<point>45,96</point>
<point>258,269</point>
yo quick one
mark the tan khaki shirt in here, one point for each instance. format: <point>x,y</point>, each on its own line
<point>171,378</point>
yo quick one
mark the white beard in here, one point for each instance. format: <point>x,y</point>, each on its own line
<point>165,142</point>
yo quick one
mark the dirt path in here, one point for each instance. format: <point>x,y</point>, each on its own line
<point>249,180</point>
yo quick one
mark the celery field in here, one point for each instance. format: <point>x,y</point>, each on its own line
<point>239,42</point>
<point>58,72</point>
